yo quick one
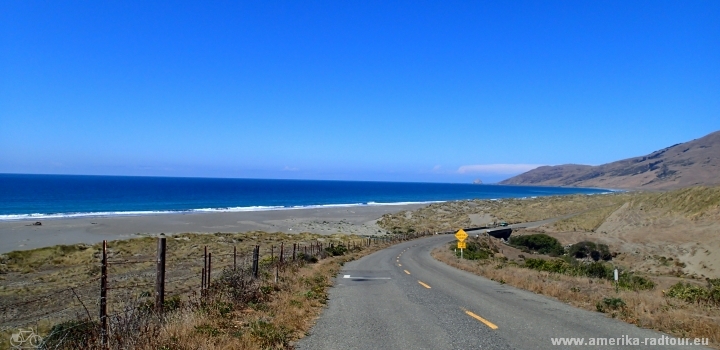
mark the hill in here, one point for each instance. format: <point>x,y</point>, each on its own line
<point>686,164</point>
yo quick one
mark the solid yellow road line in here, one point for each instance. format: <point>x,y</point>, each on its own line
<point>424,285</point>
<point>486,322</point>
<point>407,272</point>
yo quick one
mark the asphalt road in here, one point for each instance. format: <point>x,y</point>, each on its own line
<point>402,298</point>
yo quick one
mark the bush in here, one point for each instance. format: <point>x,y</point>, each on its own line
<point>610,304</point>
<point>554,265</point>
<point>474,251</point>
<point>540,243</point>
<point>586,248</point>
<point>635,283</point>
<point>597,270</point>
<point>336,250</point>
<point>695,294</point>
<point>593,270</point>
<point>307,258</point>
<point>269,335</point>
<point>477,255</point>
<point>76,334</point>
<point>238,287</point>
<point>268,261</point>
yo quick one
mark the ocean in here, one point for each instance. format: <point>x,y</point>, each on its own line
<point>25,196</point>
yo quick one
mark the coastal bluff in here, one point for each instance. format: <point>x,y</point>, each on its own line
<point>696,162</point>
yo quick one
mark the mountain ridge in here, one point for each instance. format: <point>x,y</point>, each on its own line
<point>691,163</point>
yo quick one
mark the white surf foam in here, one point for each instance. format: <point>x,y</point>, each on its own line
<point>39,216</point>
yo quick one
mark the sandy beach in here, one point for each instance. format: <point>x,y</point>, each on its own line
<point>23,235</point>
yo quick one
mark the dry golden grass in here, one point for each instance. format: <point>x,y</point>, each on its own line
<point>287,317</point>
<point>587,221</point>
<point>693,202</point>
<point>43,270</point>
<point>647,309</point>
<point>453,215</point>
<point>284,313</point>
<point>592,210</point>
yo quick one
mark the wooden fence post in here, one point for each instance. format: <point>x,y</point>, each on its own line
<point>209,270</point>
<point>256,257</point>
<point>205,270</point>
<point>282,251</point>
<point>234,258</point>
<point>160,281</point>
<point>294,248</point>
<point>103,299</point>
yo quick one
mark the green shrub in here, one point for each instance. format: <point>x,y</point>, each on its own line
<point>172,303</point>
<point>268,261</point>
<point>474,251</point>
<point>269,335</point>
<point>307,258</point>
<point>610,304</point>
<point>695,294</point>
<point>597,270</point>
<point>336,250</point>
<point>554,265</point>
<point>540,243</point>
<point>594,270</point>
<point>586,248</point>
<point>208,330</point>
<point>72,335</point>
<point>634,282</point>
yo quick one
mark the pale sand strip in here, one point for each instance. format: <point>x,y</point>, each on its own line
<point>22,235</point>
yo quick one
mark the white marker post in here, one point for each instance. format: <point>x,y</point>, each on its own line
<point>615,273</point>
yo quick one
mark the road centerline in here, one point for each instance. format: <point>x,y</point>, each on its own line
<point>424,284</point>
<point>486,322</point>
<point>407,272</point>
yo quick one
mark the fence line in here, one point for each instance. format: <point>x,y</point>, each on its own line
<point>116,294</point>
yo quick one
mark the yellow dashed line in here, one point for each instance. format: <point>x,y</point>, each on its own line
<point>486,322</point>
<point>399,264</point>
<point>407,272</point>
<point>424,285</point>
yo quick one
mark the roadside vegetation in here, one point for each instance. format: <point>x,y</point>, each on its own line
<point>237,311</point>
<point>585,213</point>
<point>578,278</point>
<point>448,216</point>
<point>584,259</point>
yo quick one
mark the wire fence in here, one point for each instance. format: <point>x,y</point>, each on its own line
<point>122,287</point>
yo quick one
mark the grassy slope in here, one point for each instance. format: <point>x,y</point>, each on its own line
<point>285,314</point>
<point>648,309</point>
<point>658,234</point>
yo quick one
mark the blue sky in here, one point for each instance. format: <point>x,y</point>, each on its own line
<point>360,90</point>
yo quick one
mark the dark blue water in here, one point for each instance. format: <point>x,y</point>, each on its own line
<point>45,196</point>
